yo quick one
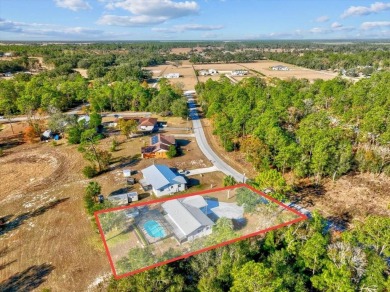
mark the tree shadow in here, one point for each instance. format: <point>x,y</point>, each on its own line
<point>143,196</point>
<point>306,193</point>
<point>121,191</point>
<point>126,162</point>
<point>339,222</point>
<point>182,142</point>
<point>19,220</point>
<point>192,182</point>
<point>28,280</point>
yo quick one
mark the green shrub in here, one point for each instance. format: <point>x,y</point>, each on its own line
<point>90,171</point>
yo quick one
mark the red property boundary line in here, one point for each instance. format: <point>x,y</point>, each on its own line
<point>302,217</point>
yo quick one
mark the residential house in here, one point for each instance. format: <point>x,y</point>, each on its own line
<point>187,219</point>
<point>172,75</point>
<point>279,68</point>
<point>159,146</point>
<point>207,72</point>
<point>162,180</point>
<point>147,124</point>
<point>239,72</point>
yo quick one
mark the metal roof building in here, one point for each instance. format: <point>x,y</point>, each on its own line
<point>188,222</point>
<point>163,180</point>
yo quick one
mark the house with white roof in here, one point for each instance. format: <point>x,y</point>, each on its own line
<point>188,218</point>
<point>162,180</point>
<point>280,68</point>
<point>172,75</point>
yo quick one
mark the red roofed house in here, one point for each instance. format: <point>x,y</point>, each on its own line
<point>159,146</point>
<point>147,124</point>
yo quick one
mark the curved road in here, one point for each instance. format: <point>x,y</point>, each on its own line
<point>203,144</point>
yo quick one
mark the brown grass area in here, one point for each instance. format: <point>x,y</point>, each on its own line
<point>47,225</point>
<point>294,72</point>
<point>41,196</point>
<point>83,72</point>
<point>180,50</point>
<point>352,196</point>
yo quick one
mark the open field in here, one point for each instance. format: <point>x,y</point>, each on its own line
<point>294,72</point>
<point>353,196</point>
<point>188,79</point>
<point>48,235</point>
<point>180,50</point>
<point>187,74</point>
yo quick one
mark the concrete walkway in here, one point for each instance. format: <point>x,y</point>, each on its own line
<point>202,170</point>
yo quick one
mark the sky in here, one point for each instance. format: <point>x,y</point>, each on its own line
<point>94,20</point>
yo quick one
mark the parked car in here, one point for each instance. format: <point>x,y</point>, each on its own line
<point>101,198</point>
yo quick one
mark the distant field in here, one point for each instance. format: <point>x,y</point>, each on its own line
<point>188,78</point>
<point>264,67</point>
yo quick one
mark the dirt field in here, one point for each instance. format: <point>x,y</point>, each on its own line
<point>353,196</point>
<point>49,241</point>
<point>83,72</point>
<point>187,75</point>
<point>294,72</point>
<point>180,50</point>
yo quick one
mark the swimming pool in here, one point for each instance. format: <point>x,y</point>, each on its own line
<point>154,229</point>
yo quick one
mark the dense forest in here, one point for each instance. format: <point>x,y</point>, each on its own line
<point>326,128</point>
<point>100,58</point>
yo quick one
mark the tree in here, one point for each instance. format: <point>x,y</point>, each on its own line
<point>30,134</point>
<point>93,189</point>
<point>229,181</point>
<point>247,198</point>
<point>172,151</point>
<point>89,141</point>
<point>95,120</point>
<point>179,108</point>
<point>57,123</point>
<point>74,134</point>
<point>255,277</point>
<point>127,126</point>
<point>271,179</point>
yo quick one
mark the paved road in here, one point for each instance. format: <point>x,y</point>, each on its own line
<point>76,111</point>
<point>204,146</point>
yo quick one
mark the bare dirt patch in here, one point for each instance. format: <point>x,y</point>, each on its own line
<point>264,67</point>
<point>180,50</point>
<point>47,232</point>
<point>352,196</point>
<point>83,72</point>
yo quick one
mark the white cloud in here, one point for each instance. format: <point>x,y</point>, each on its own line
<point>188,27</point>
<point>147,12</point>
<point>323,18</point>
<point>336,25</point>
<point>74,5</point>
<point>140,20</point>
<point>374,24</point>
<point>50,31</point>
<point>366,10</point>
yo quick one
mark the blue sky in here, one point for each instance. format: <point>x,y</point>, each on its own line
<point>193,20</point>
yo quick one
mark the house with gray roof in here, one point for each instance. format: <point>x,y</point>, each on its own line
<point>162,180</point>
<point>187,219</point>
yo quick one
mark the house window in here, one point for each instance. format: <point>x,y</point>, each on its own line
<point>179,186</point>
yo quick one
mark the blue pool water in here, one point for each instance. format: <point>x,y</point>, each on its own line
<point>154,229</point>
